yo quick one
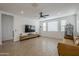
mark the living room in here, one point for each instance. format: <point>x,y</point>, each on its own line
<point>26,28</point>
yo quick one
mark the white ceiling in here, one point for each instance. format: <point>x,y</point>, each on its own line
<point>32,10</point>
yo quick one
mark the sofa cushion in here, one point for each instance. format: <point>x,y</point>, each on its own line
<point>25,34</point>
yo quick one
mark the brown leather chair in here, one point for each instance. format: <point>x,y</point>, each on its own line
<point>68,48</point>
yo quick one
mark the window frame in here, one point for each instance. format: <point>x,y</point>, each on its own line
<point>44,27</point>
<point>62,26</point>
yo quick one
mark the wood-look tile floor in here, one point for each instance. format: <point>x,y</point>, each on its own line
<point>33,47</point>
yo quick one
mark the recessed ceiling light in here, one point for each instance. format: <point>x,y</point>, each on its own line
<point>22,12</point>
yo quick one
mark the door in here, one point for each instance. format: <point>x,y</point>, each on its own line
<point>7,27</point>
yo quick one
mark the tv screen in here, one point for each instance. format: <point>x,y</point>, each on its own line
<point>29,28</point>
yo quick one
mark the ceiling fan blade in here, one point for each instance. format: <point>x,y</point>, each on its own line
<point>46,15</point>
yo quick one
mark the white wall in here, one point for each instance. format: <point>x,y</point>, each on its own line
<point>19,23</point>
<point>59,35</point>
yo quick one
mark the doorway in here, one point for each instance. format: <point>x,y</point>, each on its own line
<point>7,27</point>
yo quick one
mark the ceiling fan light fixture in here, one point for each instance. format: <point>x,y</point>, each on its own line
<point>22,12</point>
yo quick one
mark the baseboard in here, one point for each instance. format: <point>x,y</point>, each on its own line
<point>7,40</point>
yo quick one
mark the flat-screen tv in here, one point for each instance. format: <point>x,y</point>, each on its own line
<point>29,28</point>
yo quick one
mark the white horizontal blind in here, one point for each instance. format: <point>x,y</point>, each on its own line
<point>53,26</point>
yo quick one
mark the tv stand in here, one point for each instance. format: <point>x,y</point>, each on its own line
<point>29,36</point>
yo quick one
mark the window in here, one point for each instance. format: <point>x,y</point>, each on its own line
<point>53,26</point>
<point>44,26</point>
<point>63,23</point>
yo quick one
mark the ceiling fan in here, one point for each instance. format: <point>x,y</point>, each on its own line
<point>42,15</point>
